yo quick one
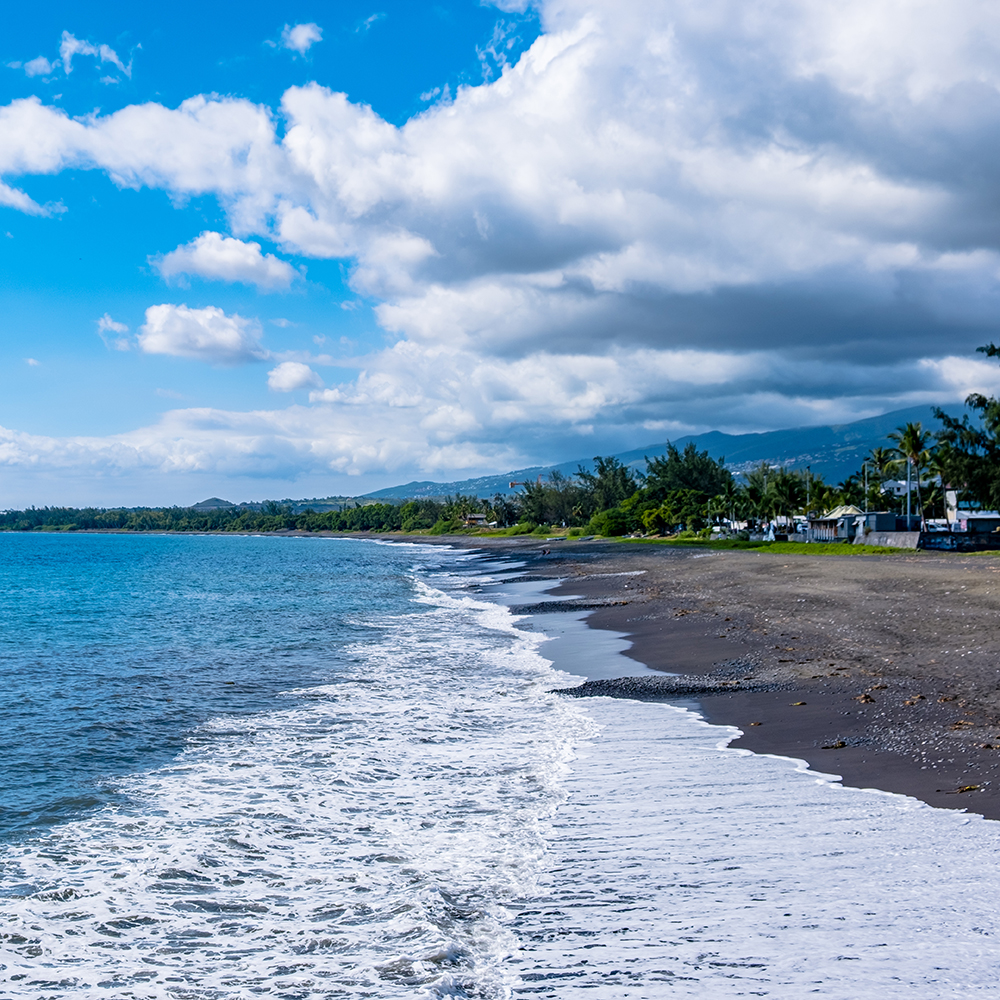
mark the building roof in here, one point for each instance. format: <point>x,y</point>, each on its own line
<point>844,510</point>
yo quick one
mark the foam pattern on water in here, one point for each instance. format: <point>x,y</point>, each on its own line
<point>364,841</point>
<point>433,823</point>
<point>681,868</point>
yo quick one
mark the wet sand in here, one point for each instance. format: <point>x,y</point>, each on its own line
<point>882,669</point>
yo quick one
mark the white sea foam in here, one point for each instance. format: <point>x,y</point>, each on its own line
<point>433,823</point>
<point>679,867</point>
<point>364,841</point>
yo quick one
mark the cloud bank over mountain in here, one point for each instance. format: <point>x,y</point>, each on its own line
<point>662,218</point>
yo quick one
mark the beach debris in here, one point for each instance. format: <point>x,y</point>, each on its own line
<point>794,703</point>
<point>756,723</point>
<point>865,697</point>
<point>961,724</point>
<point>878,687</point>
<point>947,697</point>
<point>989,746</point>
<point>834,746</point>
<point>959,791</point>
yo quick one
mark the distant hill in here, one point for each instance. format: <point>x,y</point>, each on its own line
<point>833,452</point>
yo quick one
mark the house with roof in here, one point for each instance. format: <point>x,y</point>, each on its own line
<point>838,525</point>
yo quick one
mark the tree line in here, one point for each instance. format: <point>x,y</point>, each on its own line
<point>680,491</point>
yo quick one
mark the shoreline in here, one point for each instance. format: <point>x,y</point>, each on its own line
<point>884,673</point>
<point>882,670</point>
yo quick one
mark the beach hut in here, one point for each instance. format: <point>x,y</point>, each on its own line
<point>838,525</point>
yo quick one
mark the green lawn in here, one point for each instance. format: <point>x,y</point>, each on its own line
<point>782,548</point>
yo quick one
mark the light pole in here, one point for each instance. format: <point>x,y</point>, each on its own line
<point>909,468</point>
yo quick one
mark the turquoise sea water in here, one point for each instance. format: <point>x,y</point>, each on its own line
<point>307,769</point>
<point>113,648</point>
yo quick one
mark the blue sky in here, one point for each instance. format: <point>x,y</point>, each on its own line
<point>60,273</point>
<point>262,251</point>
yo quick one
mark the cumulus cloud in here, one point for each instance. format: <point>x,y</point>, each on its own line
<point>688,214</point>
<point>222,258</point>
<point>206,334</point>
<point>292,375</point>
<point>301,37</point>
<point>435,416</point>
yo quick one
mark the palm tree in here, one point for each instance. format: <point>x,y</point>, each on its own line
<point>787,492</point>
<point>881,459</point>
<point>881,462</point>
<point>758,490</point>
<point>727,499</point>
<point>912,443</point>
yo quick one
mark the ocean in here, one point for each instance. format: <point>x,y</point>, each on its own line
<point>244,767</point>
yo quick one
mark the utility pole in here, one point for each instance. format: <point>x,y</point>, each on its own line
<point>865,467</point>
<point>909,467</point>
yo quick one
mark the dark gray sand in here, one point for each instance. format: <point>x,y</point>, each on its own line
<point>882,669</point>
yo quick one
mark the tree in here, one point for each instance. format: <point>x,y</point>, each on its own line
<point>504,509</point>
<point>881,461</point>
<point>787,492</point>
<point>559,500</point>
<point>968,452</point>
<point>757,491</point>
<point>913,446</point>
<point>687,470</point>
<point>608,485</point>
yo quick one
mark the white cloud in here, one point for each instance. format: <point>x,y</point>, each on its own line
<point>204,334</point>
<point>369,22</point>
<point>13,198</point>
<point>292,375</point>
<point>38,67</point>
<point>32,362</point>
<point>664,214</point>
<point>113,333</point>
<point>70,46</point>
<point>301,37</point>
<point>217,257</point>
<point>414,412</point>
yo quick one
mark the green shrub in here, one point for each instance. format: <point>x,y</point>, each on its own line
<point>443,527</point>
<point>416,522</point>
<point>612,523</point>
<point>524,528</point>
<point>574,532</point>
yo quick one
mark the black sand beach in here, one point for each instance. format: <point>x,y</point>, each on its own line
<point>882,669</point>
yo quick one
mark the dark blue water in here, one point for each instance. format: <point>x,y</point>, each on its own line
<point>113,647</point>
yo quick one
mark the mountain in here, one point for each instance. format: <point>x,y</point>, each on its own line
<point>833,452</point>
